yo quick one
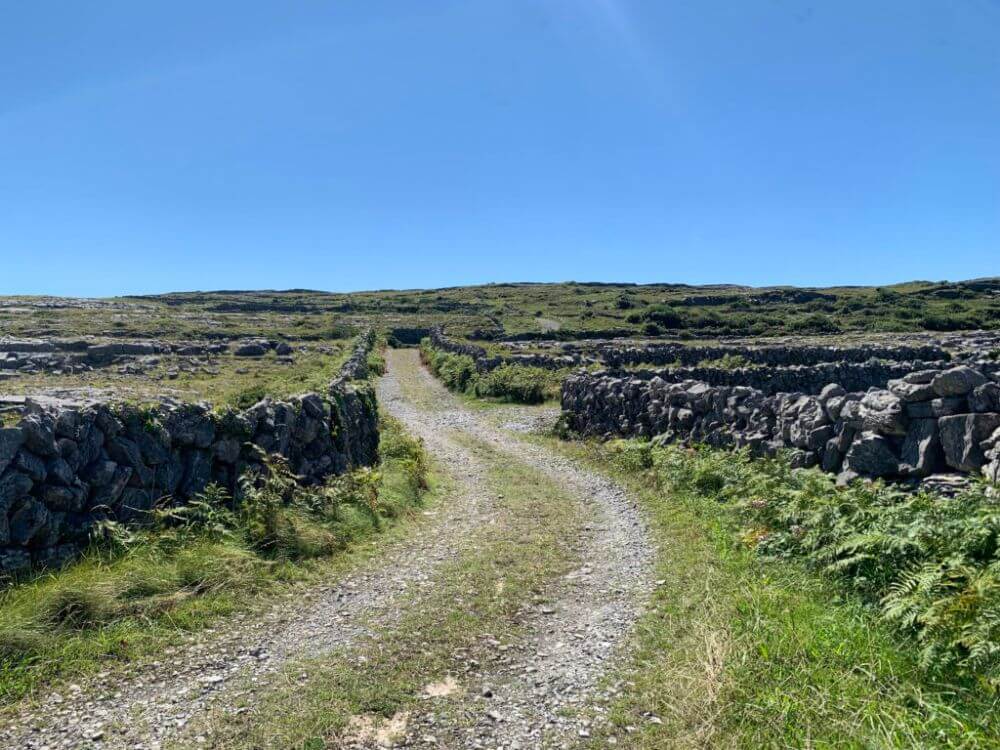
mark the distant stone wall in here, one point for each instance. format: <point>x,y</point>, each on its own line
<point>663,354</point>
<point>853,376</point>
<point>484,363</point>
<point>925,422</point>
<point>859,369</point>
<point>408,336</point>
<point>65,467</point>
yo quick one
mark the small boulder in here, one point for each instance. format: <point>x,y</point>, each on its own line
<point>921,452</point>
<point>25,522</point>
<point>962,436</point>
<point>39,435</point>
<point>985,398</point>
<point>871,455</point>
<point>958,381</point>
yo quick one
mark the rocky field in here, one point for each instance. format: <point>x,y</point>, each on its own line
<point>260,519</point>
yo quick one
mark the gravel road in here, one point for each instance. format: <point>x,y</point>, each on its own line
<point>516,702</point>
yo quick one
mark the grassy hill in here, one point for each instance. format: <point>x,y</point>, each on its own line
<point>525,310</point>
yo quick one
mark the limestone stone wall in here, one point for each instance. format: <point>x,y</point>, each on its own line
<point>923,423</point>
<point>64,467</point>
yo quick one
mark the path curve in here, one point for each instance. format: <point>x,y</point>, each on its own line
<point>557,666</point>
<point>587,616</point>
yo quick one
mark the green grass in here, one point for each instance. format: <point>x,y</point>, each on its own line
<point>474,601</point>
<point>125,602</point>
<point>509,383</point>
<point>580,308</point>
<point>742,650</point>
<point>225,381</point>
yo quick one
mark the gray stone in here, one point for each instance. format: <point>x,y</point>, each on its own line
<point>227,451</point>
<point>191,427</point>
<point>68,423</point>
<point>872,455</point>
<point>197,472</point>
<point>26,521</point>
<point>908,392</point>
<point>921,377</point>
<point>70,452</point>
<point>961,438</point>
<point>154,444</point>
<point>13,486</point>
<point>833,390</point>
<point>100,473</point>
<point>59,472</point>
<point>958,381</point>
<point>169,476</point>
<point>921,453</point>
<point>59,497</point>
<point>249,350</point>
<point>832,457</point>
<point>127,453</point>
<point>108,495</point>
<point>882,412</point>
<point>11,440</point>
<point>985,398</point>
<point>947,407</point>
<point>31,465</point>
<point>39,436</point>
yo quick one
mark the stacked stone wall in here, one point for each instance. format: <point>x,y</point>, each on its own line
<point>65,467</point>
<point>923,423</point>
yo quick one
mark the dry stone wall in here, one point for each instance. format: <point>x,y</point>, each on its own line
<point>771,356</point>
<point>926,422</point>
<point>65,467</point>
<point>876,369</point>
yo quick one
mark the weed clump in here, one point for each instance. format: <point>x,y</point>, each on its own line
<point>508,382</point>
<point>79,606</point>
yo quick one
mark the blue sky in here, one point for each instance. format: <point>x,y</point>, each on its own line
<point>153,146</point>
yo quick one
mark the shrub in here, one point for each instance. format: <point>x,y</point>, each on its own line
<point>518,383</point>
<point>376,362</point>
<point>456,371</point>
<point>815,323</point>
<point>953,322</point>
<point>249,396</point>
<point>624,301</point>
<point>664,315</point>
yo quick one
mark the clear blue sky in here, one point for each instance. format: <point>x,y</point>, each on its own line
<point>152,146</point>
